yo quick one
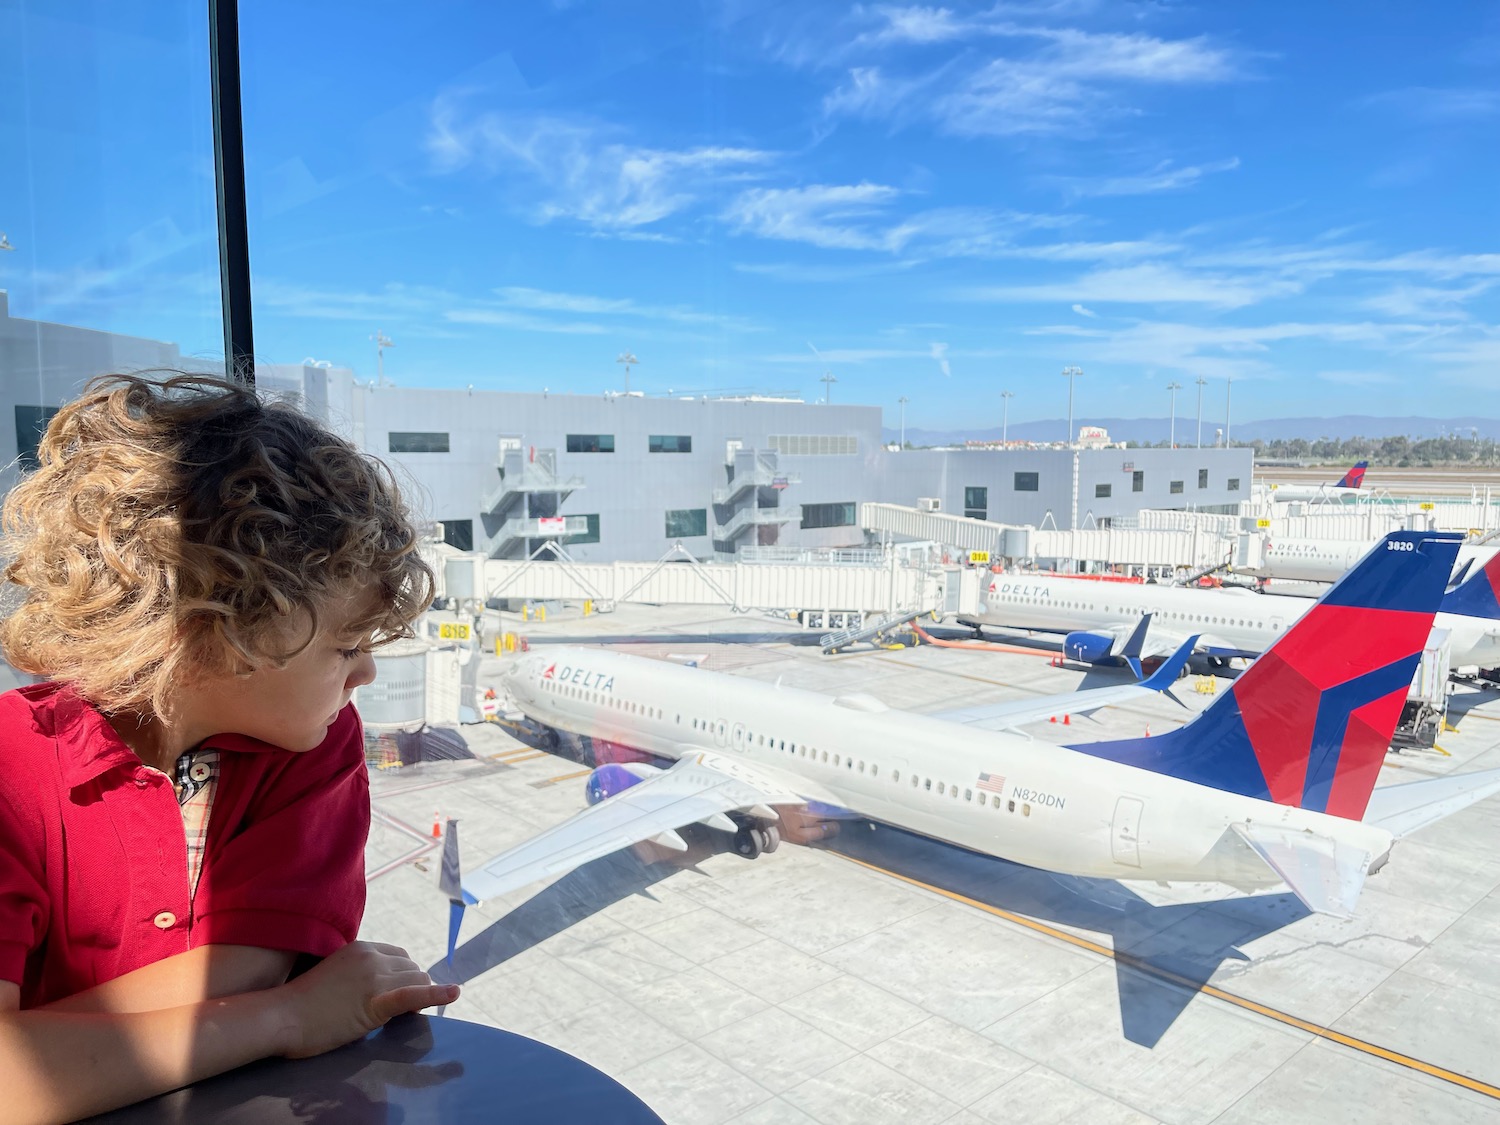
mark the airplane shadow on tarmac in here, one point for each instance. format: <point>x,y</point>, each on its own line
<point>1163,955</point>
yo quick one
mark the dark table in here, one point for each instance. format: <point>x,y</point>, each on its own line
<point>417,1069</point>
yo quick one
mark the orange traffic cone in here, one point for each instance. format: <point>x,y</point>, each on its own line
<point>1053,719</point>
<point>1148,730</point>
<point>437,826</point>
<point>1067,720</point>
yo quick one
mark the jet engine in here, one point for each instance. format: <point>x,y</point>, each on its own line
<point>616,777</point>
<point>1089,648</point>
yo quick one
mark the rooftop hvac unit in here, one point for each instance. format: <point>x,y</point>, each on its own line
<point>929,504</point>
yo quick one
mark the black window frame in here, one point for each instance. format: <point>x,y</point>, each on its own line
<point>589,443</point>
<point>1104,491</point>
<point>669,443</point>
<point>458,534</point>
<point>1202,478</point>
<point>698,517</point>
<point>419,441</point>
<point>813,515</point>
<point>1174,487</point>
<point>1232,484</point>
<point>1032,481</point>
<point>1137,480</point>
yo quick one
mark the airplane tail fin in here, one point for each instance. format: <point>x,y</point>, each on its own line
<point>1479,594</point>
<point>1354,477</point>
<point>1308,724</point>
<point>450,882</point>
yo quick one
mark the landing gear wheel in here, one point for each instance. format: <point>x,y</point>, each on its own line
<point>747,843</point>
<point>770,838</point>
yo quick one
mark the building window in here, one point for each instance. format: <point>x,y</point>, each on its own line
<point>1028,482</point>
<point>1175,487</point>
<point>1103,491</point>
<point>1202,478</point>
<point>670,443</point>
<point>1234,484</point>
<point>408,442</point>
<point>684,523</point>
<point>828,515</point>
<point>591,443</point>
<point>814,445</point>
<point>31,424</point>
<point>591,535</point>
<point>459,533</point>
<point>1138,481</point>
<point>976,503</point>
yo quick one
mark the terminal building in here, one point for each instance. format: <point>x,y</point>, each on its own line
<point>627,476</point>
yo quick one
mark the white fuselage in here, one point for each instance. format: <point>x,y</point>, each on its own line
<point>996,793</point>
<point>1238,620</point>
<point>1327,560</point>
<point>1313,493</point>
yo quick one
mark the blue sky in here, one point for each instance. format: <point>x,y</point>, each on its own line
<point>940,202</point>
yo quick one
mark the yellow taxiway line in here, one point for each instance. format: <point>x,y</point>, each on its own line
<point>1361,1045</point>
<point>511,757</point>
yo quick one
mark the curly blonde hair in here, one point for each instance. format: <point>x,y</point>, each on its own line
<point>182,524</point>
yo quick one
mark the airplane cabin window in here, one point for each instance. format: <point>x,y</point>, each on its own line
<point>968,794</point>
<point>895,775</point>
<point>981,799</point>
<point>835,761</point>
<point>1026,810</point>
<point>940,789</point>
<point>927,783</point>
<point>874,770</point>
<point>1010,806</point>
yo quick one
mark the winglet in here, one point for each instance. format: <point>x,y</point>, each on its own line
<point>1478,594</point>
<point>1132,650</point>
<point>450,882</point>
<point>1171,668</point>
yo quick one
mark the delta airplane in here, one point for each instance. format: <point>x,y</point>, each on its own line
<point>1272,783</point>
<point>1100,618</point>
<point>1323,560</point>
<point>1347,487</point>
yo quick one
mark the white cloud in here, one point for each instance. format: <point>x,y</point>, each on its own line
<point>1358,378</point>
<point>1081,311</point>
<point>939,352</point>
<point>541,300</point>
<point>583,175</point>
<point>1147,283</point>
<point>1437,103</point>
<point>833,216</point>
<point>1163,177</point>
<point>1049,80</point>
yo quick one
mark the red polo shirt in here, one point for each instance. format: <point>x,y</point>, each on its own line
<point>93,860</point>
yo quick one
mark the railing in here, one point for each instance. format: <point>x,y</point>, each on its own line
<point>762,476</point>
<point>751,517</point>
<point>534,528</point>
<point>523,471</point>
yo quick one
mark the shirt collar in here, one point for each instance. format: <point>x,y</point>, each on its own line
<point>88,745</point>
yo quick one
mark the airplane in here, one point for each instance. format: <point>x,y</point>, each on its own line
<point>1099,618</point>
<point>1347,487</point>
<point>1319,560</point>
<point>1274,782</point>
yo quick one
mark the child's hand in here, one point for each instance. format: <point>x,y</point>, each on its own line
<point>353,992</point>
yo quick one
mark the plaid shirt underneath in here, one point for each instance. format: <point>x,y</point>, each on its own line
<point>195,778</point>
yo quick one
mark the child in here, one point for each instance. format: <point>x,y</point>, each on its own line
<point>184,804</point>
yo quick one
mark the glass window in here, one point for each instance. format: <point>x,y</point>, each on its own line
<point>1028,482</point>
<point>459,533</point>
<point>1137,481</point>
<point>976,503</point>
<point>828,515</point>
<point>1233,484</point>
<point>591,443</point>
<point>1175,487</point>
<point>409,441</point>
<point>1202,478</point>
<point>684,523</point>
<point>670,443</point>
<point>1102,491</point>
<point>591,534</point>
<point>31,423</point>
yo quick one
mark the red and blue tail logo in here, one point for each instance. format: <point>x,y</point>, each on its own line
<point>1479,595</point>
<point>1308,724</point>
<point>1354,477</point>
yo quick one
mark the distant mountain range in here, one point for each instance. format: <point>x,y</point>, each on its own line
<point>1269,429</point>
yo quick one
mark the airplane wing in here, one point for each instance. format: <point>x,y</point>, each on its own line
<point>1016,713</point>
<point>696,788</point>
<point>1325,874</point>
<point>1402,809</point>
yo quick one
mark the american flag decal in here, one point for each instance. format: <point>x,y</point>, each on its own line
<point>994,782</point>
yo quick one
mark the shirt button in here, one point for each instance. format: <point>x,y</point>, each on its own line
<point>199,772</point>
<point>165,920</point>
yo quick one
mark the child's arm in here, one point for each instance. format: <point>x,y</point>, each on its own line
<point>59,1066</point>
<point>206,973</point>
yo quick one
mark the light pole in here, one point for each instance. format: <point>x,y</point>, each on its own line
<point>903,400</point>
<point>828,381</point>
<point>1174,387</point>
<point>1005,397</point>
<point>629,360</point>
<point>1071,373</point>
<point>1228,387</point>
<point>1202,382</point>
<point>382,341</point>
